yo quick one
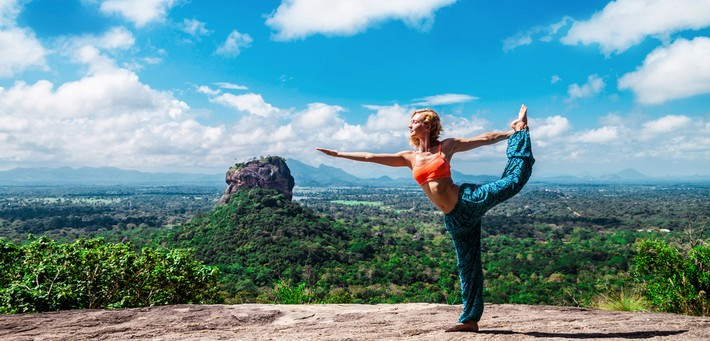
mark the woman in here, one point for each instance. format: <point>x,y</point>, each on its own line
<point>462,205</point>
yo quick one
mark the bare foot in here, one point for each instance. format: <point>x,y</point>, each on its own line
<point>522,121</point>
<point>468,326</point>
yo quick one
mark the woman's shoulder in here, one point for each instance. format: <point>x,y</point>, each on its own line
<point>448,147</point>
<point>406,153</point>
<point>448,143</point>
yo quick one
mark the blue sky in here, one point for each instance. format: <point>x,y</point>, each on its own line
<point>192,86</point>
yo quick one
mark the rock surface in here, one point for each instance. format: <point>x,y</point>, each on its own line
<point>269,172</point>
<point>415,321</point>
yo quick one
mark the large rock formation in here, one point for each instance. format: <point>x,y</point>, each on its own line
<point>269,172</point>
<point>412,321</point>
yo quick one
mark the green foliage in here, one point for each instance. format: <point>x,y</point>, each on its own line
<point>673,281</point>
<point>552,271</point>
<point>564,245</point>
<point>259,238</point>
<point>286,293</point>
<point>622,300</point>
<point>88,274</point>
<point>263,243</point>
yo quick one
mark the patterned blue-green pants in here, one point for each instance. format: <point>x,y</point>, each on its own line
<point>464,221</point>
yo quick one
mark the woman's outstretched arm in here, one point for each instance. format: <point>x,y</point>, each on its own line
<point>401,159</point>
<point>464,144</point>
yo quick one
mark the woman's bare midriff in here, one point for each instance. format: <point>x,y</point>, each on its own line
<point>443,193</point>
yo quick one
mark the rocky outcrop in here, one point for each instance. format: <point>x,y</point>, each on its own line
<point>269,172</point>
<point>412,321</point>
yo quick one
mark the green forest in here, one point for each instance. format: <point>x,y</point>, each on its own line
<point>629,247</point>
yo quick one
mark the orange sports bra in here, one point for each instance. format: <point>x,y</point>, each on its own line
<point>435,169</point>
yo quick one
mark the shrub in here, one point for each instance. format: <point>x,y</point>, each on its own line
<point>286,293</point>
<point>622,300</point>
<point>88,274</point>
<point>673,281</point>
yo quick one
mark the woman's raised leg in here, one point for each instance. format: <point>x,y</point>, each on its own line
<point>516,174</point>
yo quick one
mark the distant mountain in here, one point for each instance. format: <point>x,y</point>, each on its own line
<point>324,175</point>
<point>625,176</point>
<point>304,175</point>
<point>101,176</point>
<point>461,178</point>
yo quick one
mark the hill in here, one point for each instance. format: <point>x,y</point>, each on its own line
<point>417,321</point>
<point>259,240</point>
<point>260,237</point>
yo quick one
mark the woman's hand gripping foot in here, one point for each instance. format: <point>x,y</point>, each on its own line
<point>522,121</point>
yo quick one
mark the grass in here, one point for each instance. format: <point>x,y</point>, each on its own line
<point>622,300</point>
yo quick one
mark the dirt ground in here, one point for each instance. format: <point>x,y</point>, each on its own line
<point>417,321</point>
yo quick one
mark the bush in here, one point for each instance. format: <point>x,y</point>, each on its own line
<point>622,300</point>
<point>88,274</point>
<point>674,282</point>
<point>286,293</point>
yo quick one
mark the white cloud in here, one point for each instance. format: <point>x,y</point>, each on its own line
<point>140,12</point>
<point>318,115</point>
<point>554,79</point>
<point>593,86</point>
<point>152,60</point>
<point>295,19</point>
<point>666,124</point>
<point>226,85</point>
<point>115,38</point>
<point>354,137</point>
<point>194,27</point>
<point>112,119</point>
<point>99,95</point>
<point>106,119</point>
<point>208,91</point>
<point>392,117</point>
<point>542,33</point>
<point>9,10</point>
<point>625,23</point>
<point>234,43</point>
<point>97,51</point>
<point>445,99</point>
<point>517,40</point>
<point>222,85</point>
<point>601,135</point>
<point>549,127</point>
<point>455,126</point>
<point>670,72</point>
<point>94,59</point>
<point>251,103</point>
<point>626,141</point>
<point>20,51</point>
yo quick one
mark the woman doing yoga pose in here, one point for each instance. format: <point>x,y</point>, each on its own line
<point>464,205</point>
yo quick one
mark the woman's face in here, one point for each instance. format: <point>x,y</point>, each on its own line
<point>417,126</point>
